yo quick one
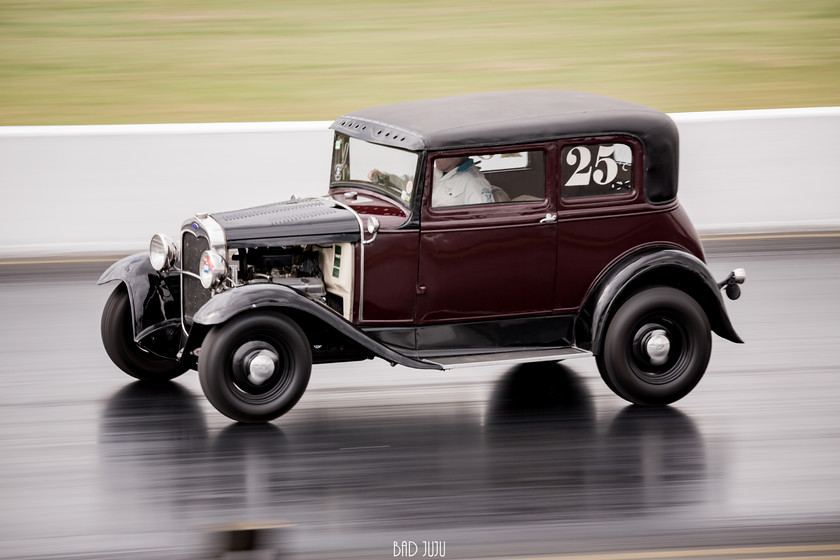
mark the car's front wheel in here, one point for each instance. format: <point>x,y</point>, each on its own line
<point>255,367</point>
<point>118,339</point>
<point>656,347</point>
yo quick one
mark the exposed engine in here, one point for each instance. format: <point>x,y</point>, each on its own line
<point>299,267</point>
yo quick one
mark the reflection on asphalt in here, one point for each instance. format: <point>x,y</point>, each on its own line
<point>538,453</point>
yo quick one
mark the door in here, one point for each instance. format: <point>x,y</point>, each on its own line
<point>483,258</point>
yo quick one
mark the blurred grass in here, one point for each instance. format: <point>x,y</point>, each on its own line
<point>107,61</point>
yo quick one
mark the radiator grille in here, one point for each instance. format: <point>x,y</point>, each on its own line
<point>193,294</point>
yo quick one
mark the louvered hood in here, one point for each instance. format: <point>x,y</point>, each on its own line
<point>294,222</point>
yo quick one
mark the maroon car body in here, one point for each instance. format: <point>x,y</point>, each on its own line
<point>578,248</point>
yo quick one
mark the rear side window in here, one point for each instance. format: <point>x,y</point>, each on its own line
<point>596,170</point>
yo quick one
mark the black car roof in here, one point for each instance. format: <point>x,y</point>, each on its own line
<point>516,117</point>
<point>497,118</point>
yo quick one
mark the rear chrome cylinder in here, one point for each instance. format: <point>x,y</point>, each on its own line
<point>657,346</point>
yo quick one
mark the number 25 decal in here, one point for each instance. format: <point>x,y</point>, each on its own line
<point>603,172</point>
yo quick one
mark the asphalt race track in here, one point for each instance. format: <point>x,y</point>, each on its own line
<point>495,462</point>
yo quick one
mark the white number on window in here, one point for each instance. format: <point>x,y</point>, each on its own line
<point>608,174</point>
<point>596,169</point>
<point>579,156</point>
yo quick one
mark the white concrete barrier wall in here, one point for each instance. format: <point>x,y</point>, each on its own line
<point>106,189</point>
<point>761,170</point>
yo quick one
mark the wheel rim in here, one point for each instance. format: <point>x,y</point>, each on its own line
<point>659,349</point>
<point>260,371</point>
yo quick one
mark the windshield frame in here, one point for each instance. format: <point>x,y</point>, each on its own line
<point>401,186</point>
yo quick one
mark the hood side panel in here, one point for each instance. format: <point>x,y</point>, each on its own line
<point>294,222</point>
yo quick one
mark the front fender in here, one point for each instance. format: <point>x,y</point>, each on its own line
<point>223,307</point>
<point>669,267</point>
<point>154,298</point>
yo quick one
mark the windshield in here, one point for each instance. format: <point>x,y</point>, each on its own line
<point>382,168</point>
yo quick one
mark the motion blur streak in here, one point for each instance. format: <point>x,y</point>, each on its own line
<point>529,461</point>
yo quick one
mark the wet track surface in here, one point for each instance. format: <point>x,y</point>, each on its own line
<point>504,462</point>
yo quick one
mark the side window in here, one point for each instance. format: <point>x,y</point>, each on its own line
<point>504,177</point>
<point>596,170</point>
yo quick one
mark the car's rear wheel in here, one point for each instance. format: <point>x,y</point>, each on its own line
<point>255,367</point>
<point>656,347</point>
<point>118,339</point>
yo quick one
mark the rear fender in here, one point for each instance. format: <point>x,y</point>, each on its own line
<point>666,267</point>
<point>223,307</point>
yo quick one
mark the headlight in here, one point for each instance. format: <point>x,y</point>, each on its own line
<point>213,269</point>
<point>163,252</point>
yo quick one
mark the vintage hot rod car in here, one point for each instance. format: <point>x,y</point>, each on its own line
<point>488,228</point>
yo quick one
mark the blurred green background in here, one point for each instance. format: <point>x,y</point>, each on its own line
<point>142,61</point>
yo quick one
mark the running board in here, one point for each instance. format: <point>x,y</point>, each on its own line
<point>510,357</point>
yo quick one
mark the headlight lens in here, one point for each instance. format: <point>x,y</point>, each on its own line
<point>213,269</point>
<point>163,252</point>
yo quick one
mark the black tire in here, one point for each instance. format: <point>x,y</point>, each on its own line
<point>118,338</point>
<point>633,361</point>
<point>224,366</point>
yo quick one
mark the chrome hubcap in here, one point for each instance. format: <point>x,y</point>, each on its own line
<point>657,347</point>
<point>261,367</point>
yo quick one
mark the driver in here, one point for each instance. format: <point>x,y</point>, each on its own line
<point>458,182</point>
